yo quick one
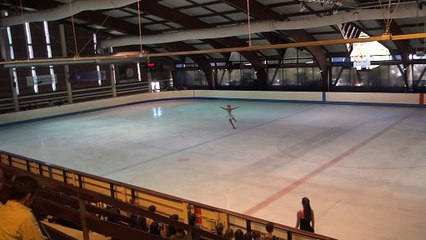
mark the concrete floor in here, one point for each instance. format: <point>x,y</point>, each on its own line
<point>363,167</point>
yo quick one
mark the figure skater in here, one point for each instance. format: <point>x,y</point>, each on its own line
<point>230,116</point>
<point>306,216</point>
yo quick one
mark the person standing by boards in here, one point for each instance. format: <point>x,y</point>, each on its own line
<point>306,216</point>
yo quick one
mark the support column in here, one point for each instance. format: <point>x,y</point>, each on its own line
<point>149,74</point>
<point>113,80</point>
<point>84,228</point>
<point>409,75</point>
<point>13,89</point>
<point>66,67</point>
<point>5,55</point>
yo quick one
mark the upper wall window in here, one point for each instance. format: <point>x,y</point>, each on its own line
<point>364,53</point>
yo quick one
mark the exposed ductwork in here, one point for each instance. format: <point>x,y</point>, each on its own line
<point>64,11</point>
<point>405,11</point>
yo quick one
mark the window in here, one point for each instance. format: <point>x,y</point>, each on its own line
<point>98,68</point>
<point>49,54</point>
<point>12,57</point>
<point>31,54</point>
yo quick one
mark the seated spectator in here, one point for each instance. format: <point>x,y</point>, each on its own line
<point>180,234</point>
<point>16,219</point>
<point>134,218</point>
<point>141,224</point>
<point>269,232</point>
<point>256,235</point>
<point>149,221</point>
<point>229,233</point>
<point>248,236</point>
<point>219,229</point>
<point>1,184</point>
<point>192,221</point>
<point>239,235</point>
<point>171,228</point>
<point>154,228</point>
<point>113,210</point>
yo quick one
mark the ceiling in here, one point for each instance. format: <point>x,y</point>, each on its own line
<point>188,25</point>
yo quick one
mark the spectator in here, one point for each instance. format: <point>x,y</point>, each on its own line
<point>256,235</point>
<point>180,234</point>
<point>229,233</point>
<point>149,221</point>
<point>270,232</point>
<point>239,235</point>
<point>1,184</point>
<point>172,229</point>
<point>141,224</point>
<point>134,218</point>
<point>192,221</point>
<point>154,228</point>
<point>219,229</point>
<point>248,236</point>
<point>16,219</point>
<point>306,216</point>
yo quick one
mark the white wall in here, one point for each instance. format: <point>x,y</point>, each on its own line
<point>394,98</point>
<point>381,98</point>
<point>85,106</point>
<point>296,96</point>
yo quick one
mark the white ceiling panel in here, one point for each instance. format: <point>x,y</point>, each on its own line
<point>222,7</point>
<point>203,1</point>
<point>117,33</point>
<point>154,18</point>
<point>196,11</point>
<point>117,13</point>
<point>174,3</point>
<point>237,16</point>
<point>268,2</point>
<point>214,19</point>
<point>157,27</point>
<point>193,41</point>
<point>96,26</point>
<point>134,20</point>
<point>174,25</point>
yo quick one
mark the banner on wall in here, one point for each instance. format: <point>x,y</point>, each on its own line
<point>127,73</point>
<point>41,80</point>
<point>88,76</point>
<point>360,56</point>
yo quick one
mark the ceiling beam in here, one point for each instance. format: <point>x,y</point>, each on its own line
<point>380,38</point>
<point>189,22</point>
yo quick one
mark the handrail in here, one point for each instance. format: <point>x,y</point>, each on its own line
<point>119,194</point>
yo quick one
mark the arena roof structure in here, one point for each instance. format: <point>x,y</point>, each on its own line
<point>184,27</point>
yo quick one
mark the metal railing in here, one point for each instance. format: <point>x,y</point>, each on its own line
<point>166,205</point>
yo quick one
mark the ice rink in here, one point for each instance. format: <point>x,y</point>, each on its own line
<point>363,167</point>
